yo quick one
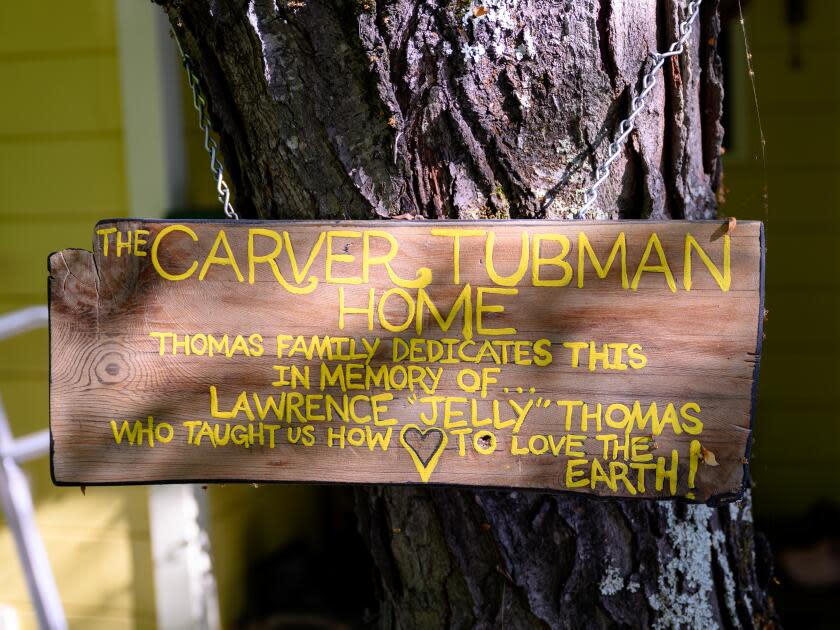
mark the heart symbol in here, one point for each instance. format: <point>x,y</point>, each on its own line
<point>425,448</point>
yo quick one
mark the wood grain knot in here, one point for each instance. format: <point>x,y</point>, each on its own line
<point>111,368</point>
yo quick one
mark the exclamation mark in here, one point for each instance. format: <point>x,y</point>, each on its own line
<point>693,460</point>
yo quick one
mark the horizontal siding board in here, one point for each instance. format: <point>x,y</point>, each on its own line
<point>797,388</point>
<point>65,95</point>
<point>61,179</point>
<point>62,169</point>
<point>24,247</point>
<point>767,27</point>
<point>27,406</point>
<point>788,188</point>
<point>79,569</point>
<point>56,26</point>
<point>23,358</point>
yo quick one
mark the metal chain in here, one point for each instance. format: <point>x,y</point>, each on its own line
<point>200,105</point>
<point>628,124</point>
<point>625,127</point>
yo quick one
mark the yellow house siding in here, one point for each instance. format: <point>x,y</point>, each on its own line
<point>68,178</point>
<point>62,95</point>
<point>56,27</point>
<point>62,168</point>
<point>797,429</point>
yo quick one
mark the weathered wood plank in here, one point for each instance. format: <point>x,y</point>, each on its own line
<point>514,309</point>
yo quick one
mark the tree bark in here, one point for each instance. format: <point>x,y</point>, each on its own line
<point>489,109</point>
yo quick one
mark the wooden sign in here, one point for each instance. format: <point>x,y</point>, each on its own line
<point>611,358</point>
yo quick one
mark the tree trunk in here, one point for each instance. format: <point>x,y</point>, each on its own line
<point>496,109</point>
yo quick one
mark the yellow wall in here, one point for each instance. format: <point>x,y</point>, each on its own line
<point>797,430</point>
<point>61,168</point>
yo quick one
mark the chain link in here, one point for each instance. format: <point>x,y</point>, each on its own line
<point>627,125</point>
<point>200,105</point>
